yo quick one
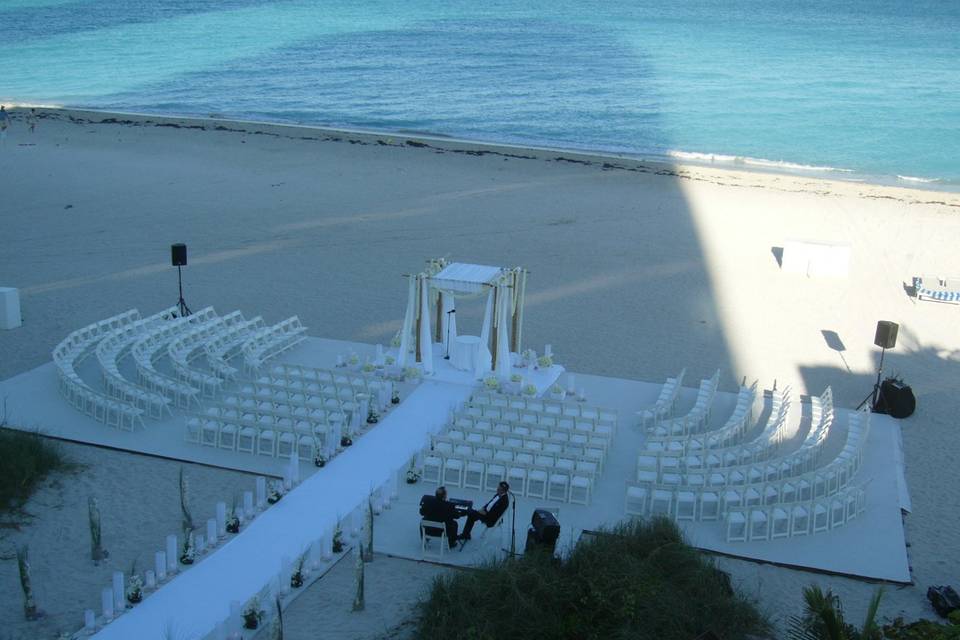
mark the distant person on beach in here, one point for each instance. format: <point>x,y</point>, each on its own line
<point>32,120</point>
<point>4,123</point>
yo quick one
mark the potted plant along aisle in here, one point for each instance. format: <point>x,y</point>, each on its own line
<point>557,392</point>
<point>530,390</point>
<point>252,614</point>
<point>513,387</point>
<point>491,383</point>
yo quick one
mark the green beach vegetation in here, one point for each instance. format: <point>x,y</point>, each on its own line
<point>27,459</point>
<point>637,580</point>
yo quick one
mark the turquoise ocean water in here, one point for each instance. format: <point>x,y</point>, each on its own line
<point>861,89</point>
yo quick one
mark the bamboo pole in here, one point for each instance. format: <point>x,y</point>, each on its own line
<point>495,324</point>
<point>419,357</point>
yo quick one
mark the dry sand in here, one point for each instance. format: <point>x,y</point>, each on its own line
<point>637,270</point>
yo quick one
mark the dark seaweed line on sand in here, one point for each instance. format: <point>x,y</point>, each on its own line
<point>606,166</point>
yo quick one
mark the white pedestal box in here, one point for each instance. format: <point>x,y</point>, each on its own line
<point>89,620</point>
<point>9,308</point>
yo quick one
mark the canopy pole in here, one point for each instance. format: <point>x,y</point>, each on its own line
<point>519,290</point>
<point>419,321</point>
<point>496,323</point>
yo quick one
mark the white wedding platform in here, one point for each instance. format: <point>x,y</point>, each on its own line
<point>266,397</point>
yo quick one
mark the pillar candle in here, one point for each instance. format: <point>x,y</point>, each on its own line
<point>212,531</point>
<point>172,553</point>
<point>261,492</point>
<point>106,602</point>
<point>571,387</point>
<point>221,519</point>
<point>118,591</point>
<point>160,564</point>
<point>151,579</point>
<point>248,502</point>
<point>89,620</point>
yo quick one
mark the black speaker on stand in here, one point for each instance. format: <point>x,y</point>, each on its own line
<point>178,258</point>
<point>885,338</point>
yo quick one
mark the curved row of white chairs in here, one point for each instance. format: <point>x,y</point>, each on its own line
<point>225,346</point>
<point>799,519</point>
<point>666,402</point>
<point>652,466</point>
<point>547,407</point>
<point>271,341</point>
<point>185,349</point>
<point>713,494</point>
<point>693,455</point>
<point>114,347</point>
<point>733,430</point>
<point>294,374</point>
<point>293,392</point>
<point>697,418</point>
<point>73,350</point>
<point>152,346</point>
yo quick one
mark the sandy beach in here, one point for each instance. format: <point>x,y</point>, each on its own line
<point>637,270</point>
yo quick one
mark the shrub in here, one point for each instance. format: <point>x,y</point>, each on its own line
<point>27,458</point>
<point>638,580</point>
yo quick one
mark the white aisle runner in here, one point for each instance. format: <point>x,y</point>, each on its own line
<point>194,602</point>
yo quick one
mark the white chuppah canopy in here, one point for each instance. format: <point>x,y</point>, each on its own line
<point>438,287</point>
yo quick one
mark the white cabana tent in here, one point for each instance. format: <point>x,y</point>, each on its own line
<point>431,313</point>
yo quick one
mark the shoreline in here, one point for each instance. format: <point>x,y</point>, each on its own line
<point>738,176</point>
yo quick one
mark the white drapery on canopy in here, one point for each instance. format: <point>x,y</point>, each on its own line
<point>432,296</point>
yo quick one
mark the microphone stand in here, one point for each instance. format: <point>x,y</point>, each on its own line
<point>447,357</point>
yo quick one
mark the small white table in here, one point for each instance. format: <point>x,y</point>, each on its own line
<point>465,352</point>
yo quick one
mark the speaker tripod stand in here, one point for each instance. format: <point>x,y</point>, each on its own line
<point>181,303</point>
<point>874,395</point>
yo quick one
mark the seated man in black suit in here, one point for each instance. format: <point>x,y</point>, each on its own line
<point>490,513</point>
<point>437,509</point>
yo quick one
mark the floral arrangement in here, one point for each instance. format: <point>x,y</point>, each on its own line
<point>189,554</point>
<point>411,373</point>
<point>515,377</point>
<point>337,539</point>
<point>395,342</point>
<point>252,613</point>
<point>395,396</point>
<point>389,360</point>
<point>545,362</point>
<point>368,367</point>
<point>491,383</point>
<point>413,476</point>
<point>134,589</point>
<point>233,520</point>
<point>296,579</point>
<point>373,416</point>
<point>556,388</point>
<point>353,360</point>
<point>319,460</point>
<point>275,493</point>
<point>530,390</point>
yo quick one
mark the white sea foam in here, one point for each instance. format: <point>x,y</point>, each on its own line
<point>718,158</point>
<point>915,179</point>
